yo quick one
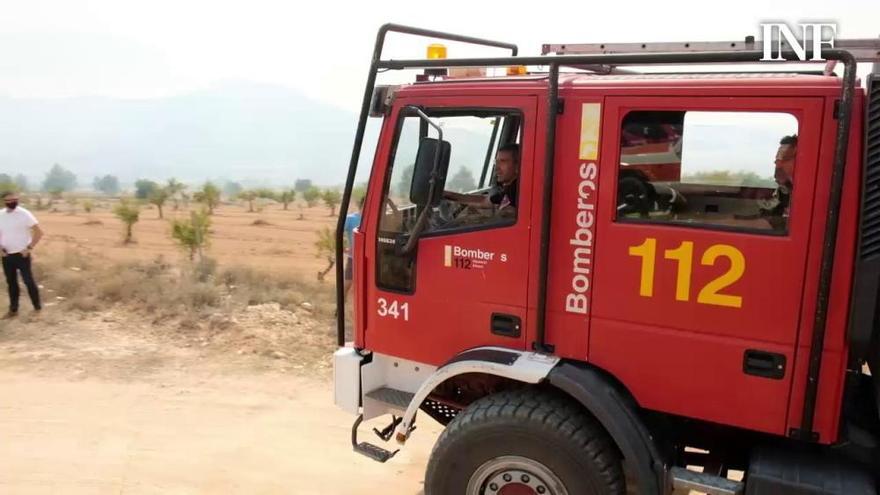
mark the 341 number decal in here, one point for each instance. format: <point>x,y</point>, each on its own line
<point>683,255</point>
<point>392,309</point>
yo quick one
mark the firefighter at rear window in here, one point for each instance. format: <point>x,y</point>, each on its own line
<point>784,177</point>
<point>505,192</point>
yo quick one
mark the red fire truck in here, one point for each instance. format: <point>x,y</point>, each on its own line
<point>637,282</point>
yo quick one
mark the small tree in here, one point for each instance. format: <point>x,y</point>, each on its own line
<point>129,213</point>
<point>208,195</point>
<point>312,196</point>
<point>59,178</point>
<point>326,248</point>
<point>108,184</point>
<point>331,198</point>
<point>249,195</point>
<point>88,205</point>
<point>286,197</point>
<point>192,234</point>
<point>158,197</point>
<point>143,188</point>
<point>266,193</point>
<point>175,191</point>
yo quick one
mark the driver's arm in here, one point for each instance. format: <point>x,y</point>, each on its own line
<point>480,200</point>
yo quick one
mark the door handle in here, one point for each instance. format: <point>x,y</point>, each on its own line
<point>506,325</point>
<point>764,364</point>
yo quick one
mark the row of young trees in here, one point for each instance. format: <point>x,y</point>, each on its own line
<point>60,180</point>
<point>210,195</point>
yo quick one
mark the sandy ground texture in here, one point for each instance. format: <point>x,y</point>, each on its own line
<point>99,405</point>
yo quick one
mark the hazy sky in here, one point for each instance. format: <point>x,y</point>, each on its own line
<point>119,48</point>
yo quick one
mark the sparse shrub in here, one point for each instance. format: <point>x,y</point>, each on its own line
<point>326,248</point>
<point>129,213</point>
<point>311,196</point>
<point>67,282</point>
<point>205,269</point>
<point>209,195</point>
<point>286,197</point>
<point>176,192</point>
<point>158,196</point>
<point>192,234</point>
<point>331,198</point>
<point>86,304</point>
<point>200,294</point>
<point>122,287</point>
<point>249,196</point>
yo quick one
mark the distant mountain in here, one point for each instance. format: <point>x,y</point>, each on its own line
<point>257,134</point>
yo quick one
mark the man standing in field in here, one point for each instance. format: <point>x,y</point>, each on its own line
<point>19,234</point>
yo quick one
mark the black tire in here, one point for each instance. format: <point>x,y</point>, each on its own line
<point>529,424</point>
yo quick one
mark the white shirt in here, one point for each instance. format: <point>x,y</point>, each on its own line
<point>15,229</point>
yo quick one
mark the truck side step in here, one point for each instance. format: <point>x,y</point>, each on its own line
<point>374,452</point>
<point>684,480</point>
<point>397,399</point>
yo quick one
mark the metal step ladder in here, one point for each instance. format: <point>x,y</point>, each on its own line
<point>394,401</point>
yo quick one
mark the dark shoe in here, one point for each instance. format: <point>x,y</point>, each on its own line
<point>10,315</point>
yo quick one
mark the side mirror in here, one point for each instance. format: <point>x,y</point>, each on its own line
<point>432,162</point>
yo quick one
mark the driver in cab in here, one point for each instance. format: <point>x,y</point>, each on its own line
<point>504,194</point>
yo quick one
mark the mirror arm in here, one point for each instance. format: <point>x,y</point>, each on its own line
<point>423,216</point>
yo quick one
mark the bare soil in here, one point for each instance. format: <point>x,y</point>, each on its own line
<point>97,404</point>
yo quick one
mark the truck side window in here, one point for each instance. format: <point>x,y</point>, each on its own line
<point>475,137</point>
<point>716,169</point>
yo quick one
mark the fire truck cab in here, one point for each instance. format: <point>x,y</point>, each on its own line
<point>604,282</point>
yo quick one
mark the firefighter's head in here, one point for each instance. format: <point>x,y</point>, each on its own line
<point>785,156</point>
<point>507,163</point>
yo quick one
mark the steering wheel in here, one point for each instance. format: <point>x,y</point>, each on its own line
<point>446,213</point>
<point>635,195</point>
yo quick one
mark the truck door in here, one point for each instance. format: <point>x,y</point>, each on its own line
<point>701,249</point>
<point>465,285</point>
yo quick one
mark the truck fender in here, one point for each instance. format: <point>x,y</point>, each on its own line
<point>616,411</point>
<point>526,367</point>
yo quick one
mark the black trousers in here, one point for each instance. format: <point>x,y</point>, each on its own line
<point>12,264</point>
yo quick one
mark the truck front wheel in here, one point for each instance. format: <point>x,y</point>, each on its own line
<point>524,442</point>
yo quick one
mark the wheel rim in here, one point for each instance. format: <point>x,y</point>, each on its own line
<point>514,475</point>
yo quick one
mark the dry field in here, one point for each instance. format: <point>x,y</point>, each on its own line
<point>272,239</point>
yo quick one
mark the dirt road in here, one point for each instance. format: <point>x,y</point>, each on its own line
<point>99,406</point>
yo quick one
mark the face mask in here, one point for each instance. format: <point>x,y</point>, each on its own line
<point>11,204</point>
